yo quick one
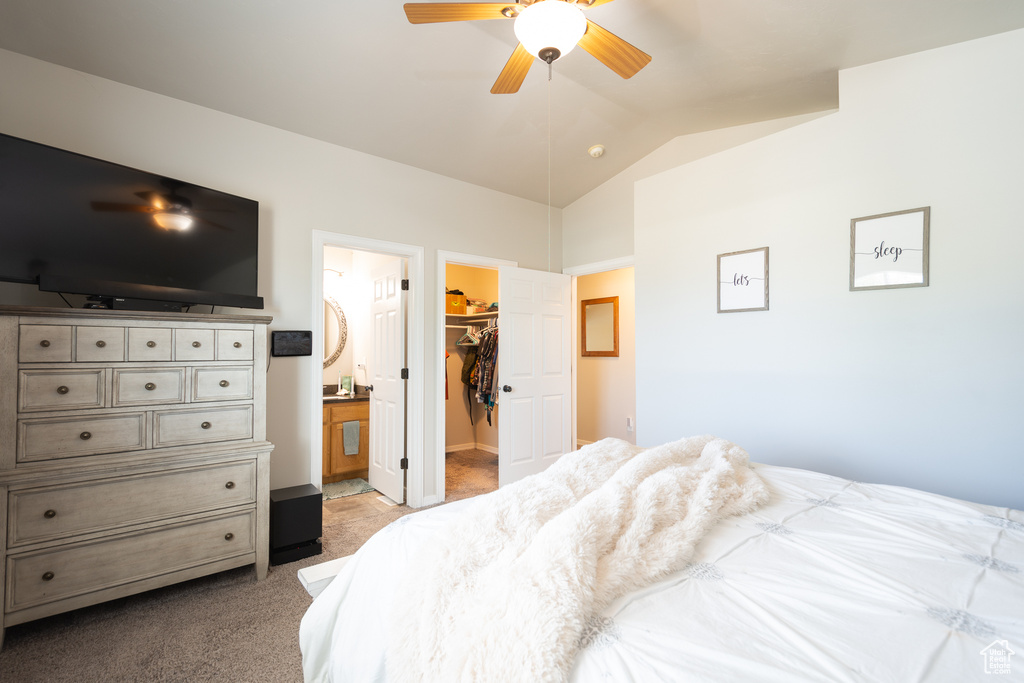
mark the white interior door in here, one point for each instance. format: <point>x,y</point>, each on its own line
<point>534,371</point>
<point>384,368</point>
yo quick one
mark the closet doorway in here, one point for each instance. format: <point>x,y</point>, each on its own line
<point>470,426</point>
<point>533,387</point>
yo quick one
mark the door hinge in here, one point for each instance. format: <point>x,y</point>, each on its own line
<point>405,285</point>
<point>405,373</point>
<point>404,463</point>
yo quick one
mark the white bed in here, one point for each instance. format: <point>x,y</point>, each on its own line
<point>830,580</point>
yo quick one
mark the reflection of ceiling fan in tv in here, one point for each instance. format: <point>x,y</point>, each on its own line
<point>170,210</point>
<point>546,29</point>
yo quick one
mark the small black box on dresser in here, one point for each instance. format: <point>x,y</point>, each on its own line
<point>296,522</point>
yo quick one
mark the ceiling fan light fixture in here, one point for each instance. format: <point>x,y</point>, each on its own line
<point>552,27</point>
<point>173,220</point>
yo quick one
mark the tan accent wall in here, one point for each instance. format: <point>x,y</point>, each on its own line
<point>606,386</point>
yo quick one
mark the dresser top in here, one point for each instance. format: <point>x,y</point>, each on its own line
<point>97,313</point>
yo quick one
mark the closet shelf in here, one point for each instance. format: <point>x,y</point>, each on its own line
<point>462,319</point>
<point>470,322</point>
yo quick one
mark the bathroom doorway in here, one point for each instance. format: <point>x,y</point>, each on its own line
<point>369,424</point>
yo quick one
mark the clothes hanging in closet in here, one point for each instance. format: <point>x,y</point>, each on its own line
<point>468,370</point>
<point>487,369</point>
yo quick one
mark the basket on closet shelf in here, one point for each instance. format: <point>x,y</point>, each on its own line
<point>455,303</point>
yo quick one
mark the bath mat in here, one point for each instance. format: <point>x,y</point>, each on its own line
<point>348,487</point>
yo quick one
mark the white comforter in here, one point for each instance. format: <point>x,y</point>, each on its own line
<point>503,594</point>
<point>832,580</point>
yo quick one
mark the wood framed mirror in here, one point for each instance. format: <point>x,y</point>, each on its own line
<point>599,325</point>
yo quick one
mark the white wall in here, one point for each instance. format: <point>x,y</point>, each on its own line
<point>917,387</point>
<point>302,185</point>
<point>599,226</point>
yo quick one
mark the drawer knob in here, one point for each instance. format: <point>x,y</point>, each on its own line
<point>62,389</point>
<point>101,343</point>
<point>151,344</point>
<point>48,576</point>
<point>85,436</point>
<point>229,485</point>
<point>50,514</point>
<point>228,536</point>
<point>237,345</point>
<point>150,386</point>
<point>206,425</point>
<point>196,345</point>
<point>45,343</point>
<point>224,383</point>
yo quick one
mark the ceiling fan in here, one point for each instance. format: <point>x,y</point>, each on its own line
<point>546,29</point>
<point>170,210</point>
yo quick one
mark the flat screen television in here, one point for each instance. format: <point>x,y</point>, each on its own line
<point>126,238</point>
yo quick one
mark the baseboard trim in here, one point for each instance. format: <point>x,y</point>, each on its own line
<point>471,446</point>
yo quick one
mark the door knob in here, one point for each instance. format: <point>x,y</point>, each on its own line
<point>369,387</point>
<point>506,388</point>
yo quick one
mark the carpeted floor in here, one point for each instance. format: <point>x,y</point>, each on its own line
<point>224,628</point>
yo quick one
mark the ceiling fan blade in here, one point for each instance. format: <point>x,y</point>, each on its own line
<point>114,206</point>
<point>612,51</point>
<point>434,12</point>
<point>514,73</point>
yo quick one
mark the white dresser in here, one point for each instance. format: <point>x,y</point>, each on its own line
<point>133,453</point>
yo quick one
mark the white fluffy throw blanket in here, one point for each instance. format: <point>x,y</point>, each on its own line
<point>505,591</point>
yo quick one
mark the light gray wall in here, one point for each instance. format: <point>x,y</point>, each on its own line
<point>918,387</point>
<point>302,185</point>
<point>599,226</point>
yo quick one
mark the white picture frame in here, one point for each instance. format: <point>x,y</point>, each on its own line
<point>743,281</point>
<point>890,250</point>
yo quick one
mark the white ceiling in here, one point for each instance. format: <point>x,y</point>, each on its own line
<point>357,74</point>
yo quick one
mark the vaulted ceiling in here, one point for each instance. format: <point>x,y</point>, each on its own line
<point>358,74</point>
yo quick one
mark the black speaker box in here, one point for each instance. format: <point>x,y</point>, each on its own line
<point>296,521</point>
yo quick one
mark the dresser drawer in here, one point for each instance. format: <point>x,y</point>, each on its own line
<point>99,344</point>
<point>41,577</point>
<point>234,344</point>
<point>221,384</point>
<point>149,343</point>
<point>194,344</point>
<point>180,427</point>
<point>44,344</point>
<point>147,386</point>
<point>59,389</point>
<point>48,513</point>
<point>55,438</point>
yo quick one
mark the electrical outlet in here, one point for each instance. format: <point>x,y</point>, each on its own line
<point>629,424</point>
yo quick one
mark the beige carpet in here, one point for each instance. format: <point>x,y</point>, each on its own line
<point>222,628</point>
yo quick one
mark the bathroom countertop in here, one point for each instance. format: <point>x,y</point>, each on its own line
<point>334,398</point>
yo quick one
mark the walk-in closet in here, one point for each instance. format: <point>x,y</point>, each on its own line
<point>471,347</point>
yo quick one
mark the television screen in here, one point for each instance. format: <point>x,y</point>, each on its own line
<point>74,224</point>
